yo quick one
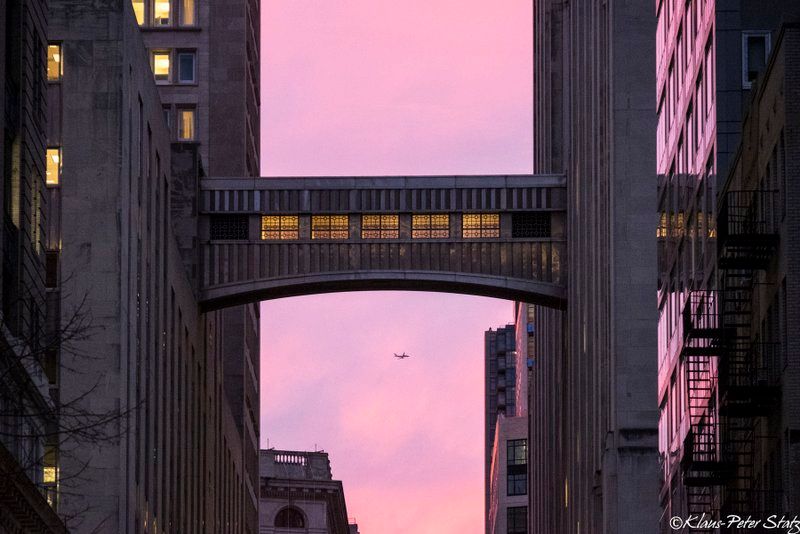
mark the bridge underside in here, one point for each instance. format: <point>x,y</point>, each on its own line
<point>496,236</point>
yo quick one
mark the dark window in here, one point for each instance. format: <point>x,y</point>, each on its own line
<point>517,466</point>
<point>186,67</point>
<point>517,520</point>
<point>229,227</point>
<point>754,56</point>
<point>51,269</point>
<point>290,517</point>
<point>530,224</point>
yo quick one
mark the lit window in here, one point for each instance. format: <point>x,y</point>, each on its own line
<point>755,51</point>
<point>481,225</point>
<point>380,226</point>
<point>280,227</point>
<point>138,9</point>
<point>54,64</point>
<point>161,66</point>
<point>187,13</point>
<point>186,124</point>
<point>161,12</point>
<point>186,72</point>
<point>430,226</point>
<point>53,166</point>
<point>330,227</point>
<point>662,226</point>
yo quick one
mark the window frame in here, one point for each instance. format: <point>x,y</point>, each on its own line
<point>151,4</point>
<point>60,164</point>
<point>511,513</point>
<point>190,53</point>
<point>168,54</point>
<point>746,35</point>
<point>182,10</point>
<point>329,231</point>
<point>60,75</point>
<point>423,227</point>
<point>388,226</point>
<point>291,232</point>
<point>485,229</point>
<point>179,110</point>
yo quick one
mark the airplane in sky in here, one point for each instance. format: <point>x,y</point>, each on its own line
<point>401,356</point>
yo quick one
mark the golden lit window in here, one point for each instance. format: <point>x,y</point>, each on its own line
<point>480,225</point>
<point>161,66</point>
<point>187,13</point>
<point>138,10</point>
<point>430,226</point>
<point>662,225</point>
<point>280,227</point>
<point>380,226</point>
<point>186,124</point>
<point>330,227</point>
<point>161,13</point>
<point>53,166</point>
<point>54,64</point>
<point>50,475</point>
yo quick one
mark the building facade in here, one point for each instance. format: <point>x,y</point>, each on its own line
<point>28,396</point>
<point>164,453</point>
<point>593,121</point>
<point>720,315</point>
<point>508,479</point>
<point>298,494</point>
<point>203,52</point>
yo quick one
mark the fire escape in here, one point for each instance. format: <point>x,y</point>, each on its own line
<point>747,242</point>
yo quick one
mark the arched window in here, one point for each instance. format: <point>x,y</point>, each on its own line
<point>290,517</point>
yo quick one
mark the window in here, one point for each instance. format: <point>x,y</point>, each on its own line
<point>54,64</point>
<point>229,227</point>
<point>280,227</point>
<point>755,50</point>
<point>188,17</point>
<point>138,9</point>
<point>186,124</point>
<point>161,66</point>
<point>186,67</point>
<point>51,269</point>
<point>167,116</point>
<point>517,466</point>
<point>517,520</point>
<point>530,224</point>
<point>53,166</point>
<point>480,225</point>
<point>290,517</point>
<point>430,226</point>
<point>380,226</point>
<point>330,227</point>
<point>161,12</point>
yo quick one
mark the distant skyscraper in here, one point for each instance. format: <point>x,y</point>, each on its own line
<point>298,494</point>
<point>508,478</point>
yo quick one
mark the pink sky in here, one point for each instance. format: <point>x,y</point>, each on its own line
<point>365,87</point>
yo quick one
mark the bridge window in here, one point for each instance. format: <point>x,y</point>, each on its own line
<point>229,227</point>
<point>480,225</point>
<point>290,517</point>
<point>380,226</point>
<point>280,227</point>
<point>430,226</point>
<point>330,227</point>
<point>533,224</point>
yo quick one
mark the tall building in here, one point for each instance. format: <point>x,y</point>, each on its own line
<point>500,393</point>
<point>508,478</point>
<point>28,396</point>
<point>593,122</point>
<point>205,56</point>
<point>162,452</point>
<point>719,306</point>
<point>299,494</point>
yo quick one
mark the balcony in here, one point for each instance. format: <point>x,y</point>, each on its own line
<point>750,379</point>
<point>701,321</point>
<point>747,229</point>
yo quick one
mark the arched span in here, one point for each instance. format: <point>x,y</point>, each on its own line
<point>532,291</point>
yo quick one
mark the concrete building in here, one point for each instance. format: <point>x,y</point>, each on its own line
<point>508,479</point>
<point>205,52</point>
<point>298,494</point>
<point>594,376</point>
<point>710,56</point>
<point>28,394</point>
<point>170,458</point>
